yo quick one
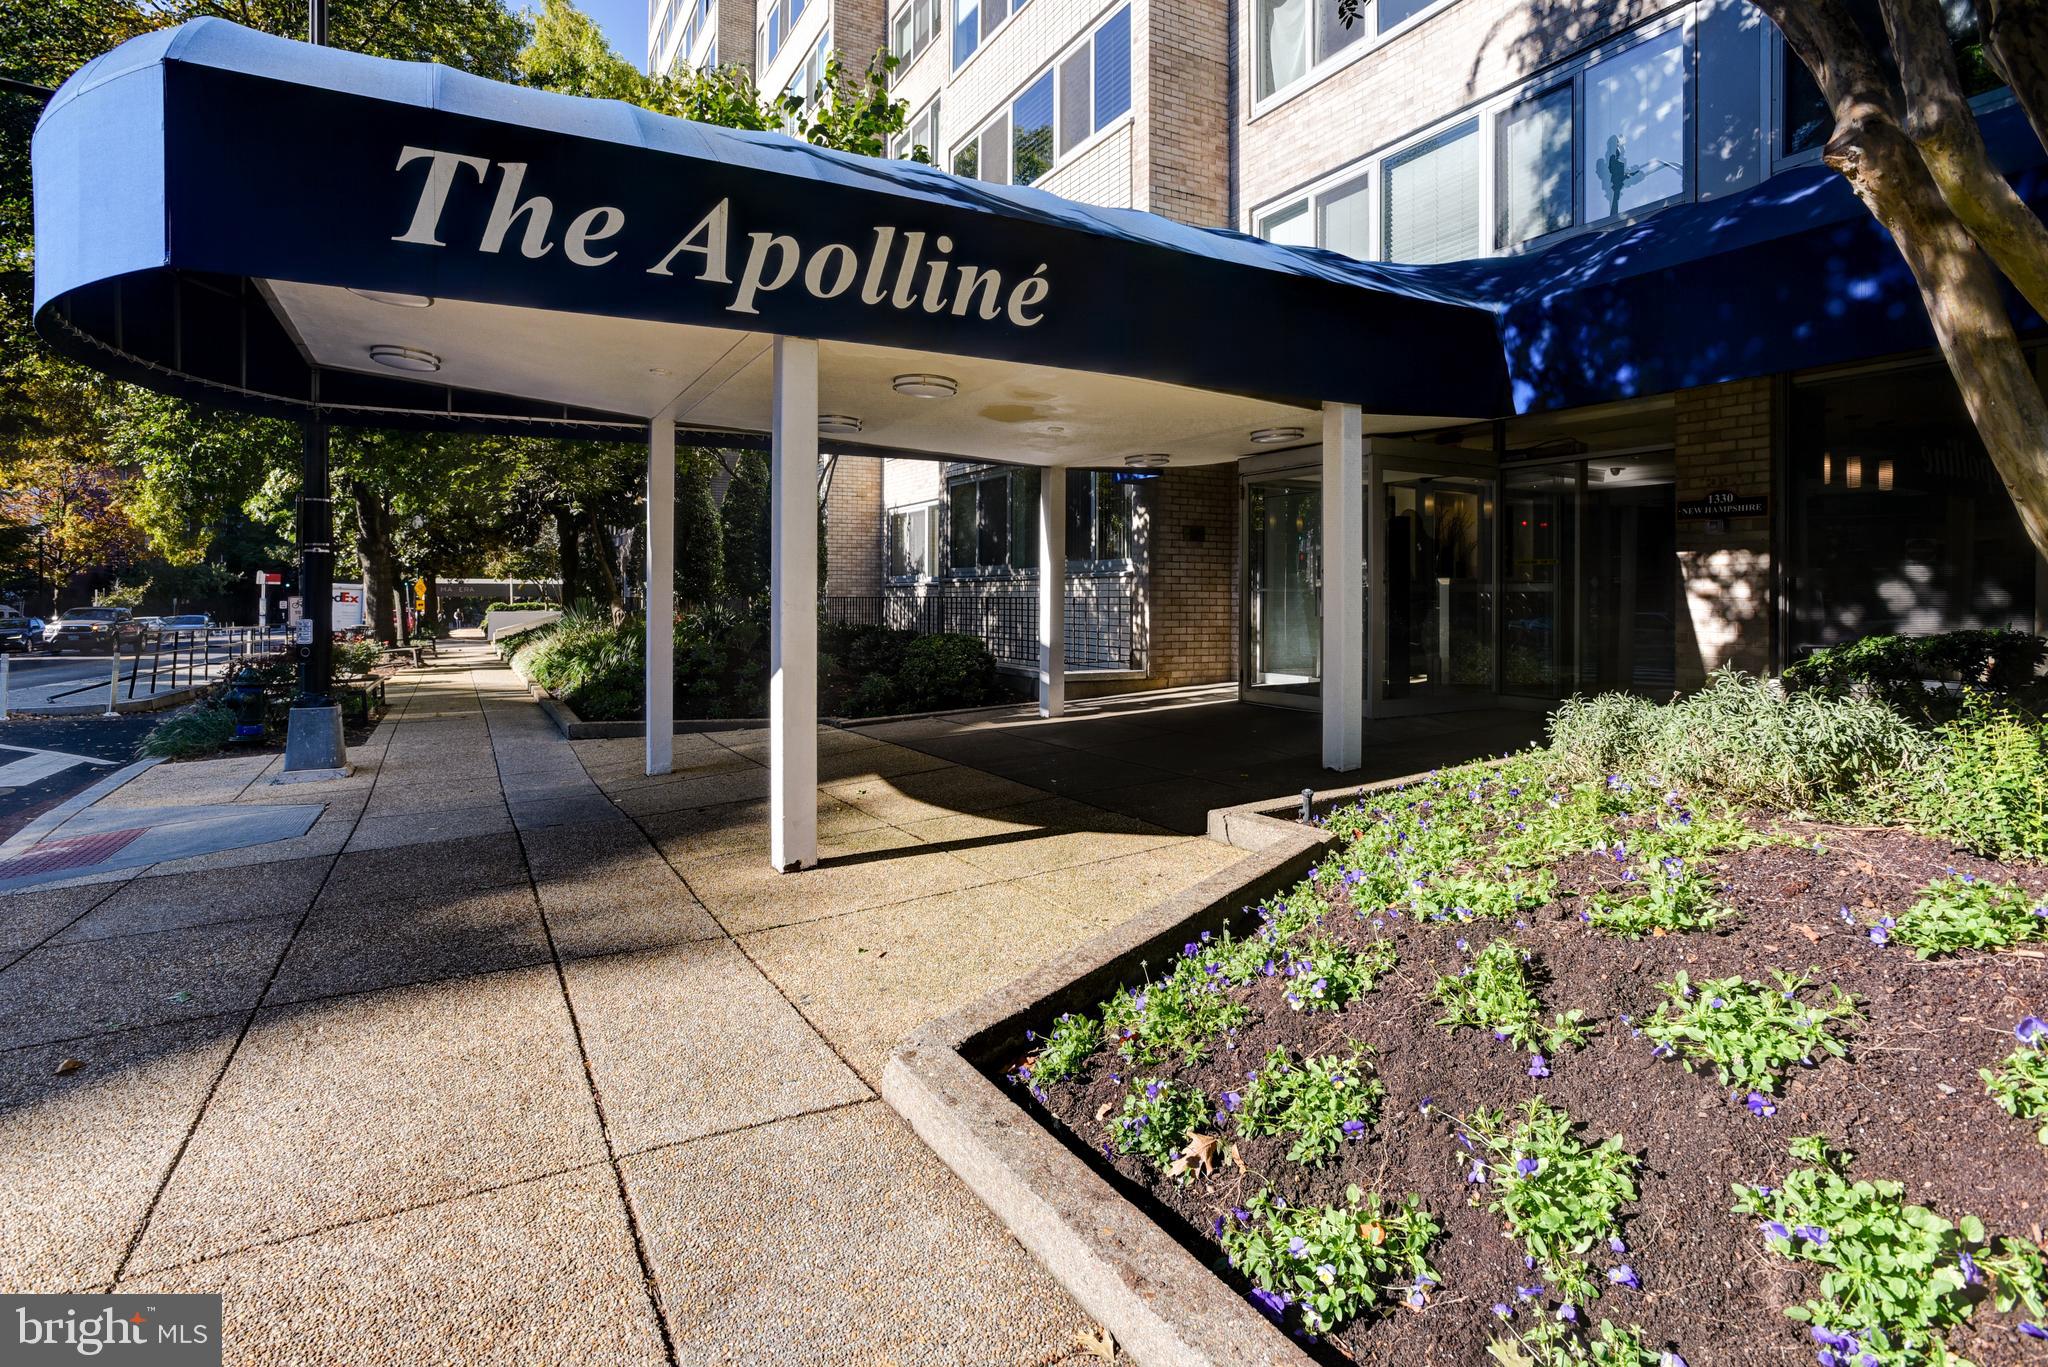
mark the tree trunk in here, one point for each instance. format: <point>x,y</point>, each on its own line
<point>433,609</point>
<point>373,545</point>
<point>601,549</point>
<point>569,547</point>
<point>1943,126</point>
<point>1958,286</point>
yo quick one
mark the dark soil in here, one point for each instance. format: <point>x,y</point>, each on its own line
<point>1907,1101</point>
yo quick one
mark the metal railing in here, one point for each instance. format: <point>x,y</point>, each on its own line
<point>1104,618</point>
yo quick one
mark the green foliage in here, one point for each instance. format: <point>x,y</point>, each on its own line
<point>1749,741</point>
<point>1546,1341</point>
<point>523,605</point>
<point>1670,896</point>
<point>1319,1102</point>
<point>1334,1262</point>
<point>946,669</point>
<point>356,658</point>
<point>1157,1120</point>
<point>1897,669</point>
<point>1072,1041</point>
<point>1182,1016</point>
<point>743,528</point>
<point>1558,1197</point>
<point>1750,1033</point>
<point>1323,975</point>
<point>203,729</point>
<point>1494,992</point>
<point>1897,1277</point>
<point>2020,1083</point>
<point>1985,786</point>
<point>1965,912</point>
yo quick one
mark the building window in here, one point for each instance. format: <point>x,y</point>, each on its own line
<point>1431,199</point>
<point>1077,96</point>
<point>993,522</point>
<point>1289,225</point>
<point>1099,509</point>
<point>914,541</point>
<point>921,135</point>
<point>974,21</point>
<point>1536,166</point>
<point>1294,37</point>
<point>914,27</point>
<point>1804,122</point>
<point>1636,127</point>
<point>1344,218</point>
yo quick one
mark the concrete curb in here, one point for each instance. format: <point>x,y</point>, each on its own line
<point>159,703</point>
<point>1159,1300</point>
<point>27,837</point>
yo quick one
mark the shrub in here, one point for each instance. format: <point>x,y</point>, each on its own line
<point>190,733</point>
<point>1897,669</point>
<point>356,657</point>
<point>1751,741</point>
<point>947,670</point>
<point>1984,785</point>
<point>524,605</point>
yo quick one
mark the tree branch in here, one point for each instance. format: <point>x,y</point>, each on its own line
<point>1942,125</point>
<point>2015,34</point>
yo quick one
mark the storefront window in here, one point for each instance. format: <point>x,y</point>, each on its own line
<point>1900,524</point>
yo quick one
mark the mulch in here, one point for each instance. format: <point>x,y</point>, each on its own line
<point>1907,1100</point>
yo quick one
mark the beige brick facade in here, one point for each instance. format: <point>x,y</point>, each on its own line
<point>853,528</point>
<point>1724,439</point>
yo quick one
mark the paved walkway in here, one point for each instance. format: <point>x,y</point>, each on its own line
<point>519,1056</point>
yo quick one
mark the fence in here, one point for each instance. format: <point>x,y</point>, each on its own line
<point>1104,624</point>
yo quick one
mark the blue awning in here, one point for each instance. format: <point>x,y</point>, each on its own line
<point>183,173</point>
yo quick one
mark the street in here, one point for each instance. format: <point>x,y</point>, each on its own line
<point>44,760</point>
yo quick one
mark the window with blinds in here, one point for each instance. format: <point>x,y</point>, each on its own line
<point>1430,193</point>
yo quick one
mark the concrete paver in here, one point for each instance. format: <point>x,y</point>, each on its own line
<point>399,1068</point>
<point>837,1238</point>
<point>353,1106</point>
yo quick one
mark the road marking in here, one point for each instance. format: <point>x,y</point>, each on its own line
<point>36,765</point>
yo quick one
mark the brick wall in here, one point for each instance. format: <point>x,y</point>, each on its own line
<point>1723,441</point>
<point>735,22</point>
<point>1180,84</point>
<point>1100,175</point>
<point>853,528</point>
<point>1190,585</point>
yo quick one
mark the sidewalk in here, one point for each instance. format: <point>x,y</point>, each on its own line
<point>517,1055</point>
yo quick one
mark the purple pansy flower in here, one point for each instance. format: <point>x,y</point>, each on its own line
<point>1526,1167</point>
<point>1761,1106</point>
<point>1538,1066</point>
<point>1624,1275</point>
<point>2031,1030</point>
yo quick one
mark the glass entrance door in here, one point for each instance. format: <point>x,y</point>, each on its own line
<point>1440,587</point>
<point>1629,576</point>
<point>1283,622</point>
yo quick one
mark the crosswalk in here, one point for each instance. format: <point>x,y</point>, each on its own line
<point>33,766</point>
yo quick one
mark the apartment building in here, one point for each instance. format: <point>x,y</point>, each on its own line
<point>1636,542</point>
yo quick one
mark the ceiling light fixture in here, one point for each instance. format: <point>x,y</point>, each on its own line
<point>838,424</point>
<point>1149,460</point>
<point>1273,436</point>
<point>406,358</point>
<point>926,386</point>
<point>401,301</point>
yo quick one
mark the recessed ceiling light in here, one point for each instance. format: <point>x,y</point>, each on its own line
<point>405,358</point>
<point>659,370</point>
<point>1273,436</point>
<point>396,300</point>
<point>1149,460</point>
<point>841,424</point>
<point>926,386</point>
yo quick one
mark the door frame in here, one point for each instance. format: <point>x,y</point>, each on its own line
<point>1297,464</point>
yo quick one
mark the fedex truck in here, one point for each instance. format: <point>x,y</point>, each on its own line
<point>349,601</point>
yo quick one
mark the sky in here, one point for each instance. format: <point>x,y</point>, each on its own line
<point>624,23</point>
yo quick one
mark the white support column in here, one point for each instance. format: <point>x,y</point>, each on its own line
<point>793,609</point>
<point>661,593</point>
<point>1343,586</point>
<point>1052,592</point>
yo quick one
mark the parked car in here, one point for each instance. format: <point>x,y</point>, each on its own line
<point>17,632</point>
<point>187,621</point>
<point>91,630</point>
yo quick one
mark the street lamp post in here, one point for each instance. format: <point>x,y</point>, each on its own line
<point>314,745</point>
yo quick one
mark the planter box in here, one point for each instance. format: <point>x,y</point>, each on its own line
<point>1161,1302</point>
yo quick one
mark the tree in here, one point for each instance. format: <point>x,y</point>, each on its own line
<point>1908,143</point>
<point>744,522</point>
<point>699,544</point>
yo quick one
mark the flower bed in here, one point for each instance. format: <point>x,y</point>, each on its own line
<point>1537,1069</point>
